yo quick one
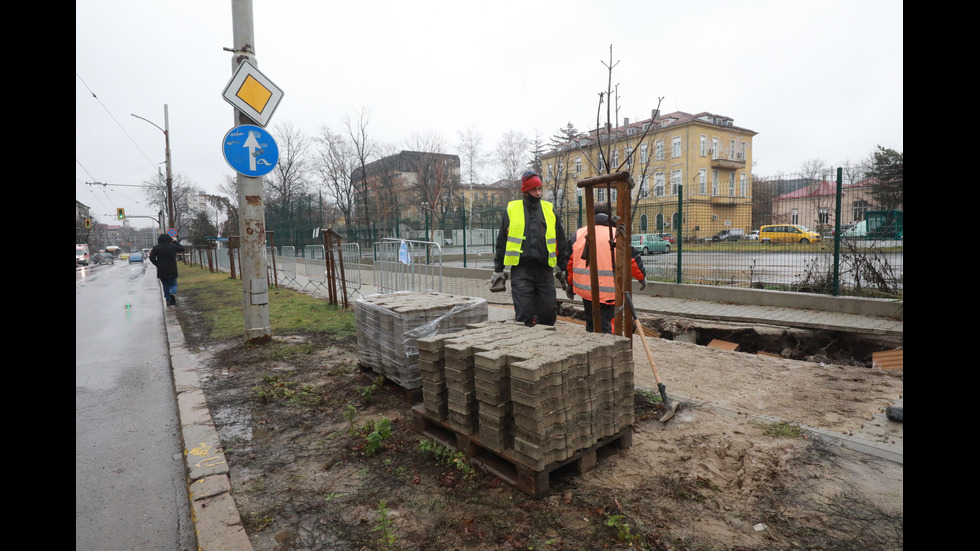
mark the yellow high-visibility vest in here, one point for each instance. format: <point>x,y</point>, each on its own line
<point>515,232</point>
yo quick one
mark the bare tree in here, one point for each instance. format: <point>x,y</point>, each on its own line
<point>289,179</point>
<point>471,155</point>
<point>512,157</point>
<point>363,149</point>
<point>435,181</point>
<point>335,162</point>
<point>230,190</point>
<point>156,194</point>
<point>816,172</point>
<point>557,176</point>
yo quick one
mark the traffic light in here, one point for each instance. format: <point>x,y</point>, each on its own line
<point>121,213</point>
<point>88,224</point>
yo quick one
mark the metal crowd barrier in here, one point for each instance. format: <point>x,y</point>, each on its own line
<point>315,261</point>
<point>287,265</point>
<point>406,265</point>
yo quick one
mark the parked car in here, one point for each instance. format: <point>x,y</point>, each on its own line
<point>728,235</point>
<point>136,256</point>
<point>787,233</point>
<point>669,238</point>
<point>752,235</point>
<point>123,256</point>
<point>649,243</point>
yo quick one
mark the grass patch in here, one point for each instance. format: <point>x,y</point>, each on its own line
<point>218,298</point>
<point>782,429</point>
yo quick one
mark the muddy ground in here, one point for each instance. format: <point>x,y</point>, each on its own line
<point>324,455</point>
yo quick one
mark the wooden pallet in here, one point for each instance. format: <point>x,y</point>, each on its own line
<point>410,395</point>
<point>534,482</point>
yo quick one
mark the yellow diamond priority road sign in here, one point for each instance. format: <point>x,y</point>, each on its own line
<point>253,93</point>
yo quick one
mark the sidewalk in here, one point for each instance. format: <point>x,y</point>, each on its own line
<point>217,522</point>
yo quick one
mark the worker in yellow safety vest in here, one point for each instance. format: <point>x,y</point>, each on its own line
<point>532,243</point>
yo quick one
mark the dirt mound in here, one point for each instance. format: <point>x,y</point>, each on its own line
<point>325,455</point>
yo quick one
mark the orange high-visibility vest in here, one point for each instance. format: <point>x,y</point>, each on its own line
<point>581,280</point>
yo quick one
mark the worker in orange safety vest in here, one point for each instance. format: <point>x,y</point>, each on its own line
<point>579,279</point>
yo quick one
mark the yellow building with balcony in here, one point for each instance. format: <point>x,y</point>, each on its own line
<point>705,153</point>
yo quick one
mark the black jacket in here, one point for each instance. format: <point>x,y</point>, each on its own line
<point>535,250</point>
<point>164,257</point>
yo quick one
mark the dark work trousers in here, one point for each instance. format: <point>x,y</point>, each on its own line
<point>533,291</point>
<point>606,314</point>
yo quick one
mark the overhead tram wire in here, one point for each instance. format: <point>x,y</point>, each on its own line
<point>106,109</point>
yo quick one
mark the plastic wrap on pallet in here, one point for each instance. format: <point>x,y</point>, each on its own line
<point>389,326</point>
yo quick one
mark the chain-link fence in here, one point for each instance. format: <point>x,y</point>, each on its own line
<point>797,235</point>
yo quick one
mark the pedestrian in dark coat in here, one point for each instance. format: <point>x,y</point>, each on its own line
<point>164,257</point>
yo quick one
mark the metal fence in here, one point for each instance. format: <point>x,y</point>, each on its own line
<point>710,228</point>
<point>407,265</point>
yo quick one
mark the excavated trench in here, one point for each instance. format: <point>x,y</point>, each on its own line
<point>812,345</point>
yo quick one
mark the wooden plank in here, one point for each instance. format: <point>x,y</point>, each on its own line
<point>888,359</point>
<point>723,345</point>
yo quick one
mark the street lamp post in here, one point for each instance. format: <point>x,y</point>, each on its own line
<point>170,182</point>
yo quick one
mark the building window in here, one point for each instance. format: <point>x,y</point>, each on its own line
<point>741,185</point>
<point>643,223</point>
<point>741,153</point>
<point>658,184</point>
<point>704,145</point>
<point>858,210</point>
<point>658,150</point>
<point>731,184</point>
<point>714,148</point>
<point>703,181</point>
<point>675,181</point>
<point>823,215</point>
<point>615,158</point>
<point>731,150</point>
<point>600,195</point>
<point>660,223</point>
<point>578,165</point>
<point>794,216</point>
<point>644,186</point>
<point>676,147</point>
<point>714,182</point>
<point>551,173</point>
<point>644,154</point>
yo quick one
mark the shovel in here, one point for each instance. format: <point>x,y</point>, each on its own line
<point>671,408</point>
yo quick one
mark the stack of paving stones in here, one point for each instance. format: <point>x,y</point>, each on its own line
<point>537,395</point>
<point>388,326</point>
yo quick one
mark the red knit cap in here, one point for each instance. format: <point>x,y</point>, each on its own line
<point>529,181</point>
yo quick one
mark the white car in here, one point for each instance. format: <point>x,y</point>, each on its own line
<point>752,235</point>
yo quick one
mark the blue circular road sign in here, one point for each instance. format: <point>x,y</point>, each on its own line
<point>250,150</point>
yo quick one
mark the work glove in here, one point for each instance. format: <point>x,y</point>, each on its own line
<point>496,276</point>
<point>643,284</point>
<point>569,292</point>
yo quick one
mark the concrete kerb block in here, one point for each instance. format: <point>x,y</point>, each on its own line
<point>203,454</point>
<point>216,518</point>
<point>192,408</point>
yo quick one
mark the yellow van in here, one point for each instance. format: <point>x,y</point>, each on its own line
<point>787,233</point>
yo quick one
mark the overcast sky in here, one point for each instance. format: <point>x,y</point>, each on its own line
<point>815,80</point>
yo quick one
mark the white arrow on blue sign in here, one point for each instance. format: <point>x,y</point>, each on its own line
<point>250,150</point>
